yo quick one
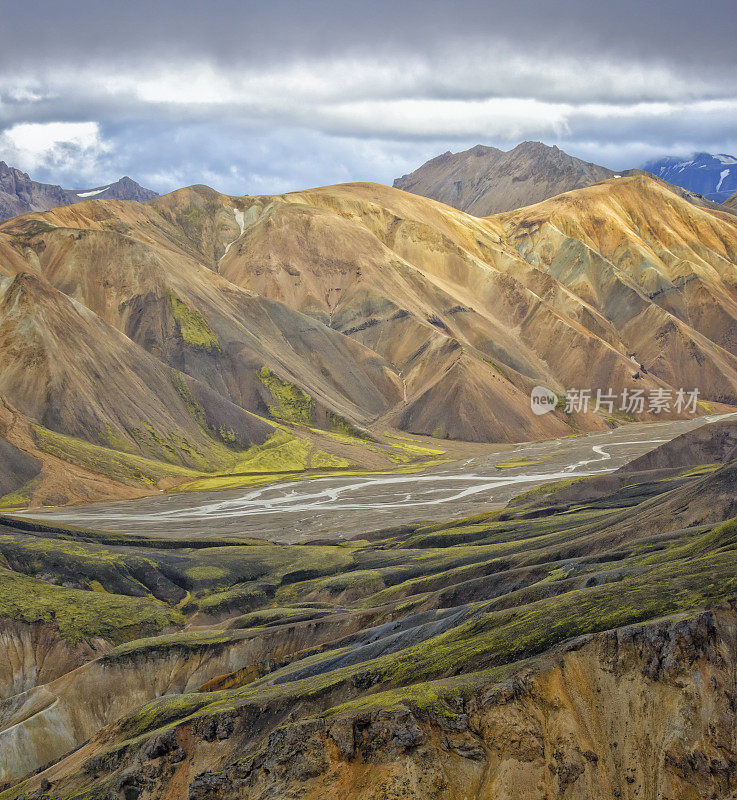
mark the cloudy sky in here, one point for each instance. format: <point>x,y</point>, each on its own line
<point>263,97</point>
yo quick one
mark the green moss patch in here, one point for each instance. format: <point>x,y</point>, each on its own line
<point>20,498</point>
<point>190,641</point>
<point>80,614</point>
<point>193,327</point>
<point>322,460</point>
<point>341,426</point>
<point>515,464</point>
<point>123,467</point>
<point>290,402</point>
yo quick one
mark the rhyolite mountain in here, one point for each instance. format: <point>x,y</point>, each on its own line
<point>712,175</point>
<point>19,194</point>
<point>149,344</point>
<point>731,202</point>
<point>485,180</point>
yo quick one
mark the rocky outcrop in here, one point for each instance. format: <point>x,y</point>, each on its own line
<point>637,713</point>
<point>57,696</point>
<point>19,194</point>
<point>31,655</point>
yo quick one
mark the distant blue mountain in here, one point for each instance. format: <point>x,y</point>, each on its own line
<point>714,176</point>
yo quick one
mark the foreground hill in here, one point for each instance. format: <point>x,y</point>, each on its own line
<point>558,649</point>
<point>484,180</point>
<point>19,194</point>
<point>193,330</point>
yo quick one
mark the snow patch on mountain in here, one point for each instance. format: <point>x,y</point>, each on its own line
<point>93,192</point>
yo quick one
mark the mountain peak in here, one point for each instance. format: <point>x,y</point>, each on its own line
<point>124,188</point>
<point>481,150</point>
<point>534,147</point>
<point>485,180</point>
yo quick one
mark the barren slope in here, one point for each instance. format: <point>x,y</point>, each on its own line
<point>661,270</point>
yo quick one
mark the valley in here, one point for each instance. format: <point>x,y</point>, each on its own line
<point>279,335</point>
<point>338,507</point>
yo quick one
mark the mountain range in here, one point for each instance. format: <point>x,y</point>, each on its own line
<point>19,194</point>
<point>484,180</point>
<point>714,176</point>
<point>157,344</point>
<point>481,181</point>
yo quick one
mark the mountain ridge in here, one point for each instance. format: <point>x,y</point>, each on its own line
<point>485,180</point>
<point>19,194</point>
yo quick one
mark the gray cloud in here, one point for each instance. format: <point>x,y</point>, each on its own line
<point>254,31</point>
<point>256,97</point>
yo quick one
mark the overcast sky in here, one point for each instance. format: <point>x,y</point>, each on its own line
<point>271,96</point>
